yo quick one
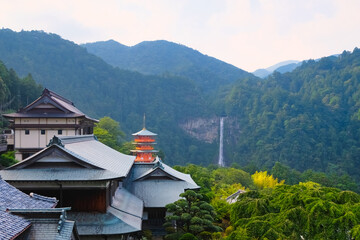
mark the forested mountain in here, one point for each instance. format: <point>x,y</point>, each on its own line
<point>102,90</point>
<point>305,119</point>
<point>16,92</point>
<point>308,118</point>
<point>163,57</point>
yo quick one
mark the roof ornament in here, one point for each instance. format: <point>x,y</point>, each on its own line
<point>144,121</point>
<point>46,90</point>
<point>43,198</point>
<point>158,164</point>
<point>62,220</point>
<point>55,141</point>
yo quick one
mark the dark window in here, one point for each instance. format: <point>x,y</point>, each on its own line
<point>27,131</point>
<point>156,216</point>
<point>42,132</point>
<point>59,132</point>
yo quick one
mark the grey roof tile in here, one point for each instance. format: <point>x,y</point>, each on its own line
<point>157,192</point>
<point>11,197</point>
<point>11,225</point>
<point>110,163</point>
<point>123,216</point>
<point>94,223</point>
<point>141,170</point>
<point>125,201</point>
<point>61,174</point>
<point>101,155</point>
<point>49,224</point>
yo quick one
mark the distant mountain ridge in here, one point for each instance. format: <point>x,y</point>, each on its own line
<point>281,67</point>
<point>163,57</point>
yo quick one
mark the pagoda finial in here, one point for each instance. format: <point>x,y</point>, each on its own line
<point>144,121</point>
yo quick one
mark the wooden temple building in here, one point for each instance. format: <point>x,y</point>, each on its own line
<point>49,115</point>
<point>111,195</point>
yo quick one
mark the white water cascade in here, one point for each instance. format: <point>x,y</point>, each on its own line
<point>221,161</point>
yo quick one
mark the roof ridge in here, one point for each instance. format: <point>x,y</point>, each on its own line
<point>54,94</point>
<point>43,198</point>
<point>77,138</point>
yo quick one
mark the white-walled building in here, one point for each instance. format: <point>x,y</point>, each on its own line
<point>48,116</point>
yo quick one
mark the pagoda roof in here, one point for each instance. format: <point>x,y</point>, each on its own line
<point>58,106</point>
<point>144,151</point>
<point>144,143</point>
<point>144,132</point>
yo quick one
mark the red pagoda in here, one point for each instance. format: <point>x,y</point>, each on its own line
<point>144,141</point>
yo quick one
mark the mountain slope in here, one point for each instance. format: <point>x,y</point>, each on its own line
<point>307,118</point>
<point>15,92</point>
<point>102,90</point>
<point>163,57</point>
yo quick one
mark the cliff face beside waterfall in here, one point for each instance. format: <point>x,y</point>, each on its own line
<point>203,129</point>
<point>207,129</point>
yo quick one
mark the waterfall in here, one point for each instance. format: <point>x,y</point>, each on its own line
<point>221,145</point>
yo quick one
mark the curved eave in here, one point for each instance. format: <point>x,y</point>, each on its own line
<point>42,115</point>
<point>144,151</point>
<point>68,175</point>
<point>144,143</point>
<point>144,132</point>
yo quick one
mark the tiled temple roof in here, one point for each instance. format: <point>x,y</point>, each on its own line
<point>12,226</point>
<point>67,108</point>
<point>11,197</point>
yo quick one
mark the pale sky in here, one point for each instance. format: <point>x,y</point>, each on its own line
<point>249,34</point>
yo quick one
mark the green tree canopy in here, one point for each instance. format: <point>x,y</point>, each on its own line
<point>108,131</point>
<point>302,211</point>
<point>190,215</point>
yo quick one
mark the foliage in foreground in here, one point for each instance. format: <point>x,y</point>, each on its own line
<point>274,210</point>
<point>303,211</point>
<point>7,159</point>
<point>192,216</point>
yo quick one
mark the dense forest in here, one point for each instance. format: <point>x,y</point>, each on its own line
<point>266,207</point>
<point>163,57</point>
<point>16,92</point>
<point>99,89</point>
<point>304,119</point>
